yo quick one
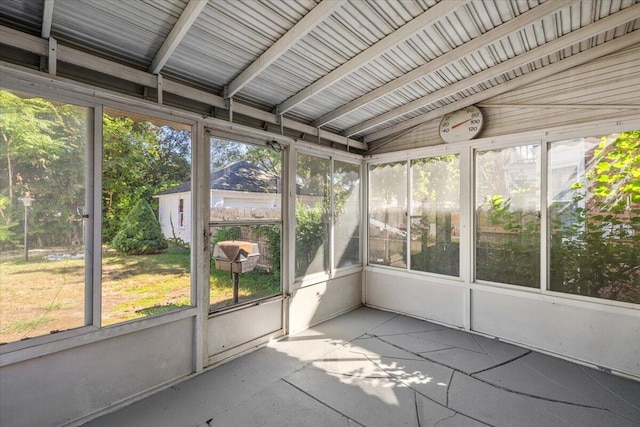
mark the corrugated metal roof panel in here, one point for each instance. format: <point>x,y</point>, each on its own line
<point>498,52</point>
<point>131,34</point>
<point>228,36</point>
<point>26,14</point>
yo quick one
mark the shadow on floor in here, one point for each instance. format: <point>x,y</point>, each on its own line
<point>374,368</point>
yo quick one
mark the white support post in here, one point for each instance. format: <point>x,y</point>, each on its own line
<point>544,217</point>
<point>467,236</point>
<point>96,212</point>
<point>332,266</point>
<point>47,19</point>
<point>88,219</point>
<point>160,100</point>
<point>364,226</point>
<point>53,56</point>
<point>200,265</point>
<point>407,214</point>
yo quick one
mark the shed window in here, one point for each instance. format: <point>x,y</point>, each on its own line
<point>181,212</point>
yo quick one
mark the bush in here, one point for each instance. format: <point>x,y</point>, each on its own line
<point>140,233</point>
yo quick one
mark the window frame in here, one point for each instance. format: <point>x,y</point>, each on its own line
<point>410,210</point>
<point>181,211</point>
<point>332,272</point>
<point>358,264</point>
<point>467,150</point>
<point>131,112</point>
<point>541,212</point>
<point>408,189</point>
<point>92,331</point>
<point>213,133</point>
<point>545,274</point>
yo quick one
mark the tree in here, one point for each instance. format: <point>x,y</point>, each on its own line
<point>140,160</point>
<point>140,233</point>
<point>596,239</point>
<point>312,214</point>
<point>43,155</point>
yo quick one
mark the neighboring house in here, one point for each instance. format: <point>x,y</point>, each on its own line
<point>241,185</point>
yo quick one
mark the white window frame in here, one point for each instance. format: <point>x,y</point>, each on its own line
<point>333,272</point>
<point>53,89</point>
<point>467,223</point>
<point>211,132</point>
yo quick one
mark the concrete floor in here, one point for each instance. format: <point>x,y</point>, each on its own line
<point>374,368</point>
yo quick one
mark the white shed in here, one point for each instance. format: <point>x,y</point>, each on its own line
<point>241,185</point>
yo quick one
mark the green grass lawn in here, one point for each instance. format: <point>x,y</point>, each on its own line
<point>42,297</point>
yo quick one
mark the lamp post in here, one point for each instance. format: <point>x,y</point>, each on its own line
<point>27,203</point>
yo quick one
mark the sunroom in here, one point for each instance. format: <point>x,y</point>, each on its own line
<point>189,183</point>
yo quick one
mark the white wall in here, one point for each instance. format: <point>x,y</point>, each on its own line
<point>168,214</point>
<point>229,332</point>
<point>315,302</point>
<point>439,300</point>
<point>592,332</point>
<point>62,386</point>
<point>168,208</point>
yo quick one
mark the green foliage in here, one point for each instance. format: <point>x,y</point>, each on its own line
<point>140,233</point>
<point>595,246</point>
<point>175,241</point>
<point>9,239</point>
<point>42,144</point>
<point>43,154</point>
<point>139,160</point>
<point>226,233</point>
<point>311,234</point>
<point>271,235</point>
<point>514,257</point>
<point>436,185</point>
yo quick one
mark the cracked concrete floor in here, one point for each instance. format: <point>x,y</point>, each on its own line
<point>374,368</point>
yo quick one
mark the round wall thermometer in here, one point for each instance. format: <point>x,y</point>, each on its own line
<point>461,125</point>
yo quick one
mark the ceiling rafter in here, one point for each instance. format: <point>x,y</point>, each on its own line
<point>47,19</point>
<point>427,18</point>
<point>453,55</point>
<point>592,54</point>
<point>179,30</point>
<point>597,27</point>
<point>38,46</point>
<point>308,22</point>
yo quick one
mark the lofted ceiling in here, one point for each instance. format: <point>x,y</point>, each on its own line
<point>362,69</point>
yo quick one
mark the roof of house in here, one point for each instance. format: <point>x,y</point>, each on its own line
<point>241,176</point>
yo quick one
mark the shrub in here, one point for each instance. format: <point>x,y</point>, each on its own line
<point>140,233</point>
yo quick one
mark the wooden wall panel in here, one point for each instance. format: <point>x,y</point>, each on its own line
<point>583,94</point>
